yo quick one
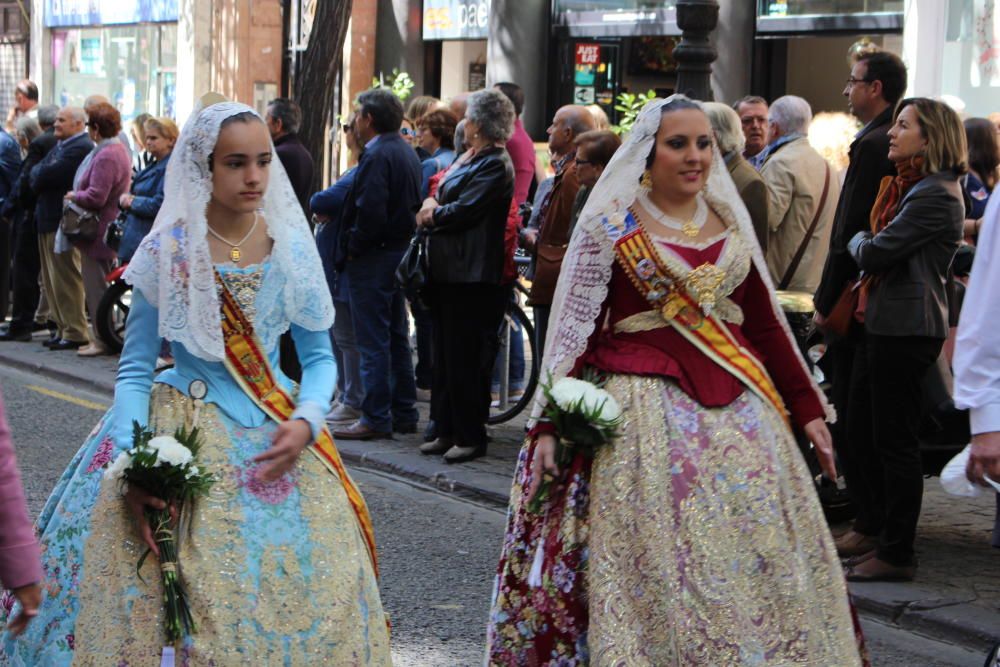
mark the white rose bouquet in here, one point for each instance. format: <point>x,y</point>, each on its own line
<point>585,417</point>
<point>165,467</point>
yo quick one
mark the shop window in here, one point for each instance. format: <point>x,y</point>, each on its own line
<point>970,62</point>
<point>826,7</point>
<point>133,65</point>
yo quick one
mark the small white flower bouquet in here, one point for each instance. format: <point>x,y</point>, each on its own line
<point>585,417</point>
<point>165,467</point>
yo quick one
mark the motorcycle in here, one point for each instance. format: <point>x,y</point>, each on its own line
<point>113,310</point>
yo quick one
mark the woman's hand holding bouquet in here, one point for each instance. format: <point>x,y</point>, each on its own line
<point>157,476</point>
<point>584,416</point>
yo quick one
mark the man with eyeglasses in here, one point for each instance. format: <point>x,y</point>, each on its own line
<point>876,82</point>
<point>752,111</point>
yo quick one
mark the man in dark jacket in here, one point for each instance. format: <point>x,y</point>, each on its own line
<point>283,119</point>
<point>20,207</point>
<point>51,179</point>
<point>549,243</point>
<point>876,83</point>
<point>378,222</point>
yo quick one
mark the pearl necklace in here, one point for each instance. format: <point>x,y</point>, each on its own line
<point>690,228</point>
<point>234,251</point>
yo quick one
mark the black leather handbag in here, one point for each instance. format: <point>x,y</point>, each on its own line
<point>116,230</point>
<point>412,273</point>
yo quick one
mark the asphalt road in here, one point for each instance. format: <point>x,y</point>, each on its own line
<point>437,553</point>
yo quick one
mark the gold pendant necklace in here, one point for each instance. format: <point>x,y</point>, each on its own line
<point>690,227</point>
<point>234,251</point>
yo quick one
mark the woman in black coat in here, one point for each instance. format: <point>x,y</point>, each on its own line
<point>466,256</point>
<point>916,229</point>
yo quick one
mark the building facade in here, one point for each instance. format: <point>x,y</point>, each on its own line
<point>156,57</point>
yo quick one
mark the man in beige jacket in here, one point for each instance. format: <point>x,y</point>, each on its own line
<point>796,174</point>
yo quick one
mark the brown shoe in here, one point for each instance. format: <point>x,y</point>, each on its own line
<point>437,446</point>
<point>359,431</point>
<point>875,569</point>
<point>858,560</point>
<point>853,543</point>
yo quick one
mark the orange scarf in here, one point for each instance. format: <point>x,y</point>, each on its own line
<point>892,189</point>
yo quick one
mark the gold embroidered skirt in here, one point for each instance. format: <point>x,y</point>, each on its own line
<point>708,545</point>
<point>276,573</point>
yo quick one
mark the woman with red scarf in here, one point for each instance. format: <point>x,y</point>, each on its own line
<point>916,227</point>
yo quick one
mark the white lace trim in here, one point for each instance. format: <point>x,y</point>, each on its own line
<point>173,266</point>
<point>586,270</point>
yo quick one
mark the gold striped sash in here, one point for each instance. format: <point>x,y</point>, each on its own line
<point>249,366</point>
<point>669,296</point>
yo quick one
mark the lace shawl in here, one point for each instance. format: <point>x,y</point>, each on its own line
<point>586,269</point>
<point>173,265</point>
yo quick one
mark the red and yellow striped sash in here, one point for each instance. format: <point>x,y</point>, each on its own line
<point>667,294</point>
<point>249,366</point>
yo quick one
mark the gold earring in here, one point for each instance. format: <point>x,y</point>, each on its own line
<point>647,180</point>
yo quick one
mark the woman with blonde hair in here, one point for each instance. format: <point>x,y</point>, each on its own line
<point>144,201</point>
<point>916,227</point>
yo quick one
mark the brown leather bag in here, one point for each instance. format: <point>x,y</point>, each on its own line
<point>79,224</point>
<point>841,316</point>
<point>548,262</point>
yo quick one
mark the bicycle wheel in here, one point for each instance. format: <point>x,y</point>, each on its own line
<point>517,334</point>
<point>112,313</point>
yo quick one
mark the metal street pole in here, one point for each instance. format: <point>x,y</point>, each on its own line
<point>695,53</point>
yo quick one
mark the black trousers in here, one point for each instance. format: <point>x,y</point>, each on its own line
<point>24,270</point>
<point>466,320</point>
<point>853,449</point>
<point>884,414</point>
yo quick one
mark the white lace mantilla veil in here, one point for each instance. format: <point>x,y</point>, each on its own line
<point>173,266</point>
<point>586,269</point>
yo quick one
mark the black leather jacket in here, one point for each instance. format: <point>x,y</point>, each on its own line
<point>910,259</point>
<point>466,243</point>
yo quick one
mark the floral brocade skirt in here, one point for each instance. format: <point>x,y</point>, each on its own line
<point>695,538</point>
<point>277,574</point>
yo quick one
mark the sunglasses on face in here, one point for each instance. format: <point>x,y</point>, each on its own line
<point>407,132</point>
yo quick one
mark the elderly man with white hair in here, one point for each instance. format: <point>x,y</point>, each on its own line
<point>729,137</point>
<point>802,193</point>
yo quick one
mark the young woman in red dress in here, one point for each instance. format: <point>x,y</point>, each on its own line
<point>695,537</point>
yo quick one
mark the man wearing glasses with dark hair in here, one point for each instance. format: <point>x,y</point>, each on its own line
<point>876,82</point>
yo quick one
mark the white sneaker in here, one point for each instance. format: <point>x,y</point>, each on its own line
<point>94,349</point>
<point>513,397</point>
<point>343,413</point>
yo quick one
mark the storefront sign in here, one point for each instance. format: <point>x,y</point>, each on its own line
<point>605,18</point>
<point>477,76</point>
<point>583,95</point>
<point>588,56</point>
<point>456,19</point>
<point>60,13</point>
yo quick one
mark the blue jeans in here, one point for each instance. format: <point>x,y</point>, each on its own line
<point>515,375</point>
<point>345,349</point>
<point>378,308</point>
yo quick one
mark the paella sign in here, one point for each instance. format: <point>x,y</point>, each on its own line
<point>456,19</point>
